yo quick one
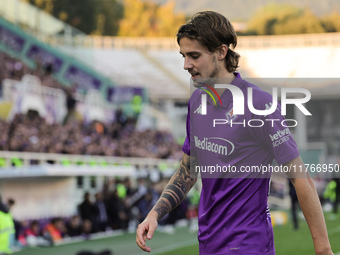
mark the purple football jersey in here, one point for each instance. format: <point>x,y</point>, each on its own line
<point>234,216</point>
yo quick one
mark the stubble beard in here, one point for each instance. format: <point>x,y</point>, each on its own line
<point>216,70</point>
<point>211,80</point>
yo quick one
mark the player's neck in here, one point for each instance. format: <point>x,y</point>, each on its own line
<point>228,77</point>
<point>224,74</point>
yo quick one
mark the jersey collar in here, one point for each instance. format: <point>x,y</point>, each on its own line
<point>226,96</point>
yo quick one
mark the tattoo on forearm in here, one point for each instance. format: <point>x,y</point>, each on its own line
<point>179,184</point>
<point>178,187</point>
<point>174,194</point>
<point>162,208</point>
<point>171,199</point>
<point>184,169</point>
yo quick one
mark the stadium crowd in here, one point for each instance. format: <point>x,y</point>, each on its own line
<point>31,133</point>
<point>11,68</point>
<point>15,69</point>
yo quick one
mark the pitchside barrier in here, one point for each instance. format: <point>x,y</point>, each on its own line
<point>315,154</point>
<point>16,160</point>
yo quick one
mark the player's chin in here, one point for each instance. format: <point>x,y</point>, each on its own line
<point>197,80</point>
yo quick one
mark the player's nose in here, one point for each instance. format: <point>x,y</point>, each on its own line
<point>187,64</point>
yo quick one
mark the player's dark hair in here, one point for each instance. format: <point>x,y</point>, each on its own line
<point>212,30</point>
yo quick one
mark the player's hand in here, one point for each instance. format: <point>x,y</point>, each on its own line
<point>145,231</point>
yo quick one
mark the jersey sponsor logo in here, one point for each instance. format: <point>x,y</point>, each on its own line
<point>280,137</point>
<point>226,148</point>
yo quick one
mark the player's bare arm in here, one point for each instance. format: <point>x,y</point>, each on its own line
<point>178,186</point>
<point>310,206</point>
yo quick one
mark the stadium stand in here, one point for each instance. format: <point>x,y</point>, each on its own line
<point>172,62</point>
<point>40,56</point>
<point>31,137</point>
<point>124,65</point>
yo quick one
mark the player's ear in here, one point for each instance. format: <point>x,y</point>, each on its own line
<point>222,51</point>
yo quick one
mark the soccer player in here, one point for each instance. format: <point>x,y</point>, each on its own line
<point>233,214</point>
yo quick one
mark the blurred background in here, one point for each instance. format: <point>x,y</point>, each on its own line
<point>93,103</point>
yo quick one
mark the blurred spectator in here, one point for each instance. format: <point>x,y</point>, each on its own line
<point>331,193</point>
<point>117,211</point>
<point>141,200</point>
<point>33,236</point>
<point>101,219</point>
<point>192,212</point>
<point>88,213</point>
<point>55,229</point>
<point>4,127</point>
<point>121,118</point>
<point>145,205</point>
<point>294,203</point>
<point>6,230</point>
<point>74,227</point>
<point>320,185</point>
<point>87,227</point>
<point>48,80</point>
<point>337,196</point>
<point>70,104</point>
<point>142,190</point>
<point>17,224</point>
<point>108,187</point>
<point>127,184</point>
